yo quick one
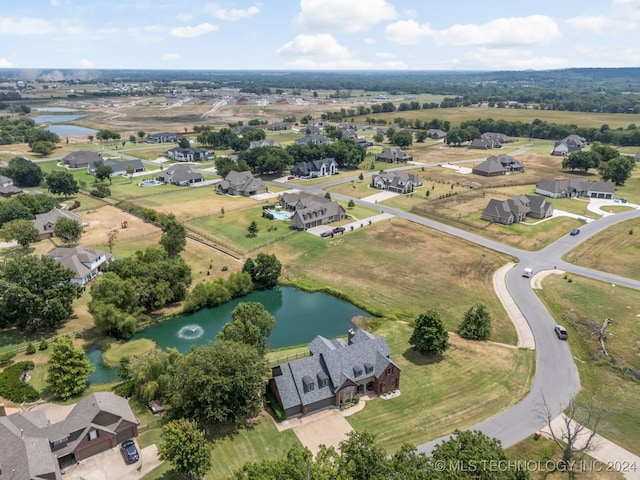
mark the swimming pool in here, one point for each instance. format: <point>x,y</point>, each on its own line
<point>149,183</point>
<point>280,215</point>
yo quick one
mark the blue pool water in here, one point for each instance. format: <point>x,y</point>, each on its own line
<point>150,183</point>
<point>280,215</point>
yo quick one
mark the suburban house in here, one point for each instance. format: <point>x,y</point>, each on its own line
<point>188,154</point>
<point>364,143</point>
<point>7,188</point>
<point>81,159</point>
<point>568,145</point>
<point>489,140</point>
<point>315,168</point>
<point>241,183</point>
<point>313,140</point>
<point>311,210</point>
<point>575,187</point>
<point>436,133</point>
<point>84,262</point>
<point>398,182</point>
<point>393,155</point>
<point>45,222</point>
<point>277,126</point>
<point>516,209</point>
<point>335,373</point>
<point>119,167</point>
<point>263,143</point>
<point>33,448</point>
<point>313,129</point>
<point>498,165</point>
<point>180,175</point>
<point>163,137</point>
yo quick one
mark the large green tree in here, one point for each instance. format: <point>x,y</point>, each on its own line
<point>68,369</point>
<point>267,271</point>
<point>37,293</point>
<point>185,447</point>
<point>218,383</point>
<point>22,231</point>
<point>617,169</point>
<point>103,172</point>
<point>174,236</point>
<point>429,336</point>
<point>61,183</point>
<point>68,230</point>
<point>151,374</point>
<point>24,173</point>
<point>582,160</point>
<point>476,324</point>
<point>252,324</point>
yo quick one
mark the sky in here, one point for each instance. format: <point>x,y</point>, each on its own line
<point>319,34</point>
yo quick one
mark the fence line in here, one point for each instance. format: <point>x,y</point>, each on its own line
<point>36,343</point>
<point>279,361</point>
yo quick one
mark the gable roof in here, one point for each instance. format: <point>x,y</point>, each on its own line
<point>394,154</point>
<point>242,182</point>
<point>51,217</point>
<point>81,158</point>
<point>79,259</point>
<point>179,174</point>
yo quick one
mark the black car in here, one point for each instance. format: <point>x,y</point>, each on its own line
<point>338,230</point>
<point>575,232</point>
<point>561,332</point>
<point>328,233</point>
<point>129,452</point>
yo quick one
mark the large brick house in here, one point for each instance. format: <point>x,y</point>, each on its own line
<point>335,373</point>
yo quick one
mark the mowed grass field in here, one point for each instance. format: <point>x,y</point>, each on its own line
<point>615,250</point>
<point>581,305</point>
<point>398,269</point>
<point>438,396</point>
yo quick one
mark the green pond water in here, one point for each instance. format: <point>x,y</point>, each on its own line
<point>300,316</point>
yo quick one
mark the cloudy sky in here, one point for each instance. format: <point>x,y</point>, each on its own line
<point>320,34</point>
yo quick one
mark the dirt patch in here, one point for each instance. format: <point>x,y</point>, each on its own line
<point>101,221</point>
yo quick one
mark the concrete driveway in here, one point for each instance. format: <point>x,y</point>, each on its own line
<point>328,427</point>
<point>110,465</point>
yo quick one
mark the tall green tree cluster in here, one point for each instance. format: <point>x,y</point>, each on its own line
<point>218,291</point>
<point>429,336</point>
<point>264,270</point>
<point>346,153</point>
<point>68,369</point>
<point>251,324</point>
<point>476,324</point>
<point>25,207</point>
<point>23,172</point>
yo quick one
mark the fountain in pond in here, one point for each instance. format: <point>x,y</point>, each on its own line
<point>190,332</point>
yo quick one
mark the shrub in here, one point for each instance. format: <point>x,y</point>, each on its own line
<point>6,358</point>
<point>125,389</point>
<point>43,344</point>
<point>31,349</point>
<point>275,405</point>
<point>13,388</point>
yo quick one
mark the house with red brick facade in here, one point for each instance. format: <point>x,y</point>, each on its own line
<point>335,373</point>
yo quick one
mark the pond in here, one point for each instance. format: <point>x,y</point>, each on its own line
<point>300,316</point>
<point>55,109</point>
<point>56,118</point>
<point>64,130</point>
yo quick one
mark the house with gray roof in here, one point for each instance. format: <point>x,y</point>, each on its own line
<point>180,175</point>
<point>335,373</point>
<point>118,167</point>
<point>188,154</point>
<point>7,188</point>
<point>81,159</point>
<point>316,168</point>
<point>263,143</point>
<point>516,209</point>
<point>393,155</point>
<point>575,187</point>
<point>241,183</point>
<point>46,222</point>
<point>436,133</point>
<point>311,210</point>
<point>313,140</point>
<point>84,262</point>
<point>32,447</point>
<point>277,126</point>
<point>163,137</point>
<point>398,182</point>
<point>568,145</point>
<point>498,165</point>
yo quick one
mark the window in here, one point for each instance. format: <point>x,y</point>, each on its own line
<point>93,434</point>
<point>389,370</point>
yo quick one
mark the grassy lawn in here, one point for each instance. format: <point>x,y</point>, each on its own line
<point>116,351</point>
<point>356,213</point>
<point>404,270</point>
<point>611,251</point>
<point>439,396</point>
<point>355,188</point>
<point>580,305</point>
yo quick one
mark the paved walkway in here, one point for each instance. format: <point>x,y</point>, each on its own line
<point>380,196</point>
<point>525,335</point>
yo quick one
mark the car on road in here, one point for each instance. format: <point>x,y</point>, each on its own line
<point>561,332</point>
<point>326,234</point>
<point>129,452</point>
<point>338,230</point>
<point>527,272</point>
<point>575,232</point>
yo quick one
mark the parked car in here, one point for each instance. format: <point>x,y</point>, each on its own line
<point>338,230</point>
<point>326,234</point>
<point>129,452</point>
<point>561,332</point>
<point>575,232</point>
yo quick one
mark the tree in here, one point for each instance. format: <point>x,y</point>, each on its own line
<point>112,321</point>
<point>68,369</point>
<point>581,160</point>
<point>22,231</point>
<point>351,203</point>
<point>252,229</point>
<point>174,236</point>
<point>130,171</point>
<point>327,196</point>
<point>67,230</point>
<point>249,267</point>
<point>252,324</point>
<point>24,173</point>
<point>617,169</point>
<point>218,383</point>
<point>103,172</point>
<point>476,324</point>
<point>403,138</point>
<point>267,271</point>
<point>185,446</point>
<point>361,177</point>
<point>141,134</point>
<point>429,335</point>
<point>59,182</point>
<point>363,457</point>
<point>378,137</point>
<point>43,147</point>
<point>184,142</point>
<point>111,239</point>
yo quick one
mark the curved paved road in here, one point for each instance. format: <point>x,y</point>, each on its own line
<point>556,378</point>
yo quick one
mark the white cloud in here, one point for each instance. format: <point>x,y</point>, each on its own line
<point>369,41</point>
<point>504,59</point>
<point>4,63</point>
<point>232,14</point>
<point>190,32</point>
<point>84,63</point>
<point>623,15</point>
<point>184,17</point>
<point>55,3</point>
<point>385,55</point>
<point>407,32</point>
<point>396,65</point>
<point>25,26</point>
<point>167,57</point>
<point>343,16</point>
<point>314,46</point>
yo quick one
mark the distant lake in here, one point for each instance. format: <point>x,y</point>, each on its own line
<point>55,109</point>
<point>56,118</point>
<point>64,130</point>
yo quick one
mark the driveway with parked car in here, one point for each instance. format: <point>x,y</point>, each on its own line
<point>110,465</point>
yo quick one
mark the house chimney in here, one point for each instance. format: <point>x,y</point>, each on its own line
<point>350,334</point>
<point>3,410</point>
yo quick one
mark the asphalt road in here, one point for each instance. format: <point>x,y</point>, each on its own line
<point>556,380</point>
